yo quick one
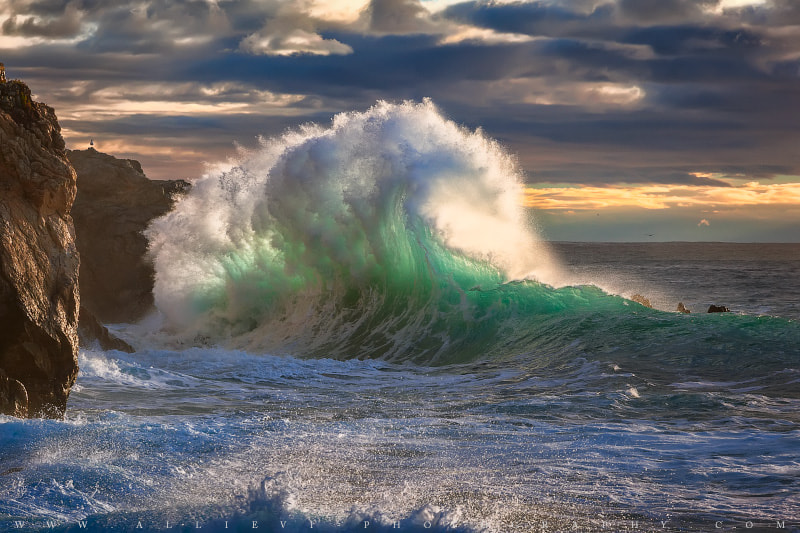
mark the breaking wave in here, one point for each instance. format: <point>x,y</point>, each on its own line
<point>393,231</point>
<point>392,234</point>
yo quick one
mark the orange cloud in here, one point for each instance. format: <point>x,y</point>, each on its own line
<point>661,196</point>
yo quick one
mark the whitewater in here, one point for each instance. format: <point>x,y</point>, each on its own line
<point>359,328</point>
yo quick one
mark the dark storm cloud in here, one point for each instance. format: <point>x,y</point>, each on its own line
<point>395,64</point>
<point>688,39</point>
<point>65,24</point>
<point>628,90</point>
<point>47,8</point>
<point>140,26</point>
<point>157,28</point>
<point>251,126</point>
<point>397,16</point>
<point>773,13</point>
<point>563,144</point>
<point>535,18</point>
<point>661,10</point>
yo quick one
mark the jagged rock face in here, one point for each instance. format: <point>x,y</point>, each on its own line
<point>115,204</point>
<point>38,259</point>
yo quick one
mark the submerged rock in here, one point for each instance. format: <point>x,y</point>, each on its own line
<point>38,259</point>
<point>115,204</point>
<point>718,309</point>
<point>682,308</point>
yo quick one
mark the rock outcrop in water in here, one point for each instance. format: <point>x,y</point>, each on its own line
<point>115,204</point>
<point>92,333</point>
<point>683,309</point>
<point>718,309</point>
<point>38,259</point>
<point>639,299</point>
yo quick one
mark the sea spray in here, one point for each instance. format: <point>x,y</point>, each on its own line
<point>365,238</point>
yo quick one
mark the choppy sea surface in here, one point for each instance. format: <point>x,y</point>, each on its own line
<point>332,352</point>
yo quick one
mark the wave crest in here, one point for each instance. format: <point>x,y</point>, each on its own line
<point>358,237</point>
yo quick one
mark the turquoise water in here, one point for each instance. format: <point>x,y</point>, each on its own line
<point>359,329</point>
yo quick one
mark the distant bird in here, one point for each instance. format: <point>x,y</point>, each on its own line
<point>650,234</point>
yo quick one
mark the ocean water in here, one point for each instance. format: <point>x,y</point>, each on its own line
<point>358,329</point>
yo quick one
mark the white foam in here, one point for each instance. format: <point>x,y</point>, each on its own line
<point>277,222</point>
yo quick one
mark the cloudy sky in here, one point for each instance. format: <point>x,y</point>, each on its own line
<point>634,120</point>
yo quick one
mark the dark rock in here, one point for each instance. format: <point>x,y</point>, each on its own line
<point>38,259</point>
<point>91,333</point>
<point>13,397</point>
<point>639,299</point>
<point>718,309</point>
<point>115,204</point>
<point>682,308</point>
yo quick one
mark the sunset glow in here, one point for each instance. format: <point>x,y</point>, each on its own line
<point>662,196</point>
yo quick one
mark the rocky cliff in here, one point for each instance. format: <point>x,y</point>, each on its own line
<point>38,259</point>
<point>115,204</point>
